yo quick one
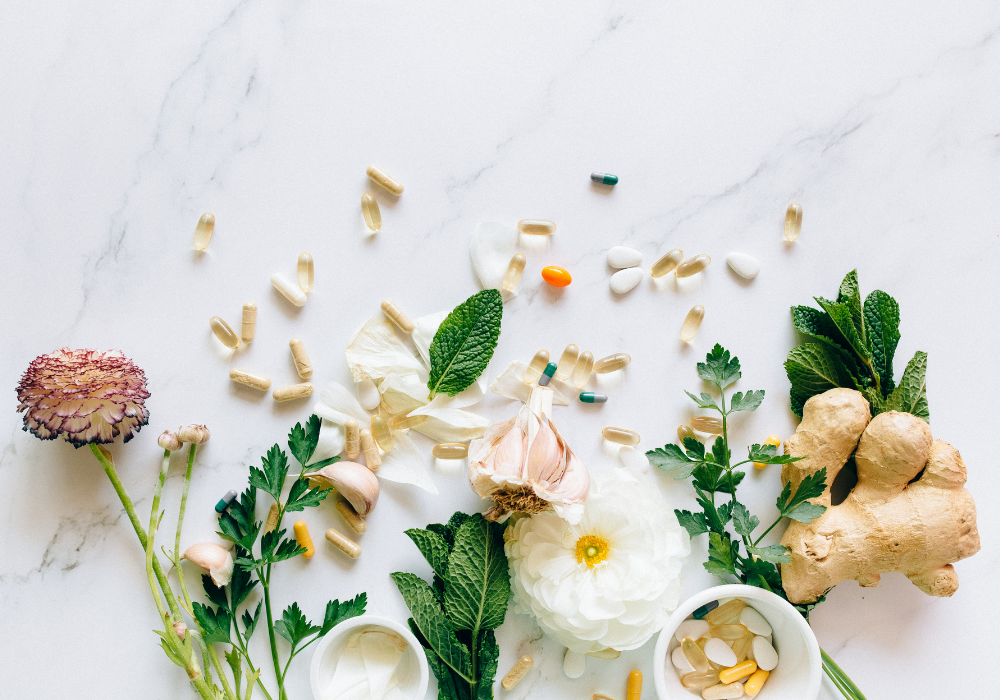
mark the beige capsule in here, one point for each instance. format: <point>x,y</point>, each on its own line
<point>352,434</point>
<point>204,230</point>
<point>249,326</point>
<point>369,208</point>
<point>620,436</point>
<point>567,362</point>
<point>450,450</point>
<point>350,516</point>
<point>793,221</point>
<point>224,332</point>
<point>397,316</point>
<point>370,448</point>
<point>692,322</point>
<point>512,275</point>
<point>612,363</point>
<point>536,227</point>
<point>305,272</point>
<point>384,180</point>
<point>254,381</point>
<point>667,263</point>
<point>405,422</point>
<point>517,672</point>
<point>693,266</point>
<point>302,364</point>
<point>707,424</point>
<point>341,542</point>
<point>295,391</point>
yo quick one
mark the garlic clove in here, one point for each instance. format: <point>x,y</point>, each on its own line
<point>545,457</point>
<point>213,558</point>
<point>353,481</point>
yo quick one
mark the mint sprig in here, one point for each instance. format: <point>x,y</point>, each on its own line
<point>464,343</point>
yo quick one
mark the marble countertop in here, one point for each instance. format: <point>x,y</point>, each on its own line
<point>123,122</point>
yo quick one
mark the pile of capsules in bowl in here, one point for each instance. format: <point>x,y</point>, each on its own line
<point>724,651</point>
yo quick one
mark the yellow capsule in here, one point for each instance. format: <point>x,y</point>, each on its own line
<point>518,671</point>
<point>350,516</point>
<point>384,180</point>
<point>734,673</point>
<point>204,230</point>
<point>381,432</point>
<point>303,538</point>
<point>352,435</point>
<point>728,633</point>
<point>370,448</point>
<point>536,227</point>
<point>537,365</point>
<point>793,221</point>
<point>741,647</point>
<point>305,272</point>
<point>700,681</point>
<point>771,440</point>
<point>254,381</point>
<point>667,263</point>
<point>684,431</point>
<point>620,436</point>
<point>301,358</point>
<point>567,362</point>
<point>584,366</point>
<point>707,424</point>
<point>369,207</point>
<point>272,518</point>
<point>226,335</point>
<point>725,612</point>
<point>633,691</point>
<point>295,391</point>
<point>612,363</point>
<point>345,545</point>
<point>692,322</point>
<point>249,327</point>
<point>693,266</point>
<point>397,316</point>
<point>695,656</point>
<point>404,422</point>
<point>756,682</point>
<point>512,275</point>
<point>450,450</point>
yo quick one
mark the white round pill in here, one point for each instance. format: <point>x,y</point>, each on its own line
<point>755,622</point>
<point>625,280</point>
<point>681,662</point>
<point>763,653</point>
<point>692,629</point>
<point>718,651</point>
<point>368,395</point>
<point>622,257</point>
<point>574,663</point>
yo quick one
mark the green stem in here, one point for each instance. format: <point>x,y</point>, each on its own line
<point>246,657</point>
<point>840,678</point>
<point>180,524</point>
<point>270,632</point>
<point>151,536</point>
<point>768,530</point>
<point>214,656</point>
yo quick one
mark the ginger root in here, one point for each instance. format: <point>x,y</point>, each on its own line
<point>892,520</point>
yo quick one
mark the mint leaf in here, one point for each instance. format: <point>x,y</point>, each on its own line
<point>694,523</point>
<point>846,334</point>
<point>434,627</point>
<point>464,343</point>
<point>743,522</point>
<point>477,584</point>
<point>434,548</point>
<point>294,626</point>
<point>271,479</point>
<point>720,555</point>
<point>718,368</point>
<point>774,554</point>
<point>911,394</point>
<point>704,401</point>
<point>882,319</point>
<point>214,623</point>
<point>748,402</point>
<point>671,457</point>
<point>487,658</point>
<point>850,296</point>
<point>337,612</point>
<point>812,369</point>
<point>302,441</point>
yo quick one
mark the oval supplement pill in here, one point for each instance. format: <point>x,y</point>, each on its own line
<point>723,691</point>
<point>755,622</point>
<point>764,654</point>
<point>517,672</point>
<point>224,332</point>
<point>341,542</point>
<point>620,436</point>
<point>536,366</point>
<point>692,629</point>
<point>667,263</point>
<point>288,290</point>
<point>304,272</point>
<point>684,431</point>
<point>384,180</point>
<point>707,424</point>
<point>625,281</point>
<point>303,538</point>
<point>370,210</point>
<point>793,221</point>
<point>718,651</point>
<point>536,227</point>
<point>692,322</point>
<point>623,258</point>
<point>612,363</point>
<point>567,362</point>
<point>574,663</point>
<point>204,230</point>
<point>381,432</point>
<point>693,266</point>
<point>512,275</point>
<point>556,276</point>
<point>254,381</point>
<point>450,450</point>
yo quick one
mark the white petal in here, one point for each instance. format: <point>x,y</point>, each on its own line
<point>468,397</point>
<point>493,245</point>
<point>375,351</point>
<point>405,465</point>
<point>450,424</point>
<point>423,333</point>
<point>402,394</point>
<point>340,402</point>
<point>331,441</point>
<point>511,385</point>
<point>634,459</point>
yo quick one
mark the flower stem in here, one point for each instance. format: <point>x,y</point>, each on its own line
<point>840,679</point>
<point>270,633</point>
<point>180,524</point>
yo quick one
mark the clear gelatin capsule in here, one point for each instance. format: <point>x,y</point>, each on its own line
<point>254,381</point>
<point>693,266</point>
<point>708,607</point>
<point>567,362</point>
<point>305,272</point>
<point>368,445</point>
<point>397,316</point>
<point>536,227</point>
<point>725,612</point>
<point>515,268</point>
<point>382,432</point>
<point>793,222</point>
<point>204,230</point>
<point>384,180</point>
<point>536,366</point>
<point>556,276</point>
<point>593,397</point>
<point>352,436</point>
<point>620,436</point>
<point>517,672</point>
<point>546,377</point>
<point>604,178</point>
<point>407,422</point>
<point>684,431</point>
<point>369,207</point>
<point>707,424</point>
<point>350,516</point>
<point>303,538</point>
<point>700,681</point>
<point>226,335</point>
<point>729,633</point>
<point>584,366</point>
<point>295,391</point>
<point>450,450</point>
<point>302,364</point>
<point>612,363</point>
<point>341,542</point>
<point>226,500</point>
<point>249,327</point>
<point>723,691</point>
<point>667,263</point>
<point>741,647</point>
<point>695,656</point>
<point>692,322</point>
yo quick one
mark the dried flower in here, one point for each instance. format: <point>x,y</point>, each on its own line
<point>84,395</point>
<point>524,465</point>
<point>169,441</point>
<point>194,433</point>
<point>213,558</point>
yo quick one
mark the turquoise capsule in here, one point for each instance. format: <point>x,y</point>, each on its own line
<point>705,610</point>
<point>550,369</point>
<point>604,178</point>
<point>226,500</point>
<point>593,397</point>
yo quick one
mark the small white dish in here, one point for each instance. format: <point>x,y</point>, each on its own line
<point>800,668</point>
<point>413,670</point>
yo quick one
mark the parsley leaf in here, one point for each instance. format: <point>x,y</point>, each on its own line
<point>238,522</point>
<point>250,621</point>
<point>694,523</point>
<point>720,555</point>
<point>774,554</point>
<point>271,479</point>
<point>215,623</point>
<point>743,522</point>
<point>718,368</point>
<point>294,626</point>
<point>302,441</point>
<point>767,454</point>
<point>746,402</point>
<point>704,401</point>
<point>300,496</point>
<point>337,612</point>
<point>464,343</point>
<point>796,506</point>
<point>671,457</point>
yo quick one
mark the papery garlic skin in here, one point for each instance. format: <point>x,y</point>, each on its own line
<point>213,558</point>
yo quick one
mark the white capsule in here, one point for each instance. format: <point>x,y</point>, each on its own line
<point>625,280</point>
<point>680,661</point>
<point>718,651</point>
<point>692,629</point>
<point>763,653</point>
<point>368,395</point>
<point>574,663</point>
<point>746,266</point>
<point>755,622</point>
<point>637,459</point>
<point>622,257</point>
<point>290,290</point>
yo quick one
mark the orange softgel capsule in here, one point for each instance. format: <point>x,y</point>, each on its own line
<point>556,276</point>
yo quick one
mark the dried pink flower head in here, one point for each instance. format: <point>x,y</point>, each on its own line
<point>86,396</point>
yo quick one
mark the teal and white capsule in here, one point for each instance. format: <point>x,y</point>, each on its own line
<point>593,397</point>
<point>604,178</point>
<point>226,500</point>
<point>546,377</point>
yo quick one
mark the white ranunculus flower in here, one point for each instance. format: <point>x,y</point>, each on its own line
<point>609,581</point>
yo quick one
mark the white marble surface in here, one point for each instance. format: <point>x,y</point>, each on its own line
<point>122,122</point>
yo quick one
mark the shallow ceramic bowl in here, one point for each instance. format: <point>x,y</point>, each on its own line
<point>799,671</point>
<point>413,670</point>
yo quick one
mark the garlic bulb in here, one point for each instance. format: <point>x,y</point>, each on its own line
<point>213,558</point>
<point>353,481</point>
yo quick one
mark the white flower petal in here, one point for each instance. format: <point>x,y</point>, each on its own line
<point>511,385</point>
<point>469,397</point>
<point>336,403</point>
<point>404,464</point>
<point>375,351</point>
<point>423,333</point>
<point>402,394</point>
<point>450,424</point>
<point>331,441</point>
<point>493,245</point>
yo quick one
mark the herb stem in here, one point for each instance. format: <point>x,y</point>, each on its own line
<point>246,657</point>
<point>214,656</point>
<point>151,538</point>
<point>771,527</point>
<point>180,524</point>
<point>840,679</point>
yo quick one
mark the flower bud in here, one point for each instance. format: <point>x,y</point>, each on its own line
<point>179,627</point>
<point>170,441</point>
<point>194,433</point>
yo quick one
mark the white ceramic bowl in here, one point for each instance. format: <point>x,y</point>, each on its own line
<point>413,670</point>
<point>800,669</point>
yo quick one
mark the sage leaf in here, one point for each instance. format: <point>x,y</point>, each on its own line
<point>464,343</point>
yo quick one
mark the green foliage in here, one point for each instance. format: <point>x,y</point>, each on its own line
<point>464,343</point>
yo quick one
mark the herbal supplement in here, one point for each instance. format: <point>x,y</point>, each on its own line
<point>695,656</point>
<point>728,632</point>
<point>302,364</point>
<point>556,276</point>
<point>249,322</point>
<point>536,227</point>
<point>724,613</point>
<point>369,208</point>
<point>450,450</point>
<point>304,272</point>
<point>352,436</point>
<point>707,607</point>
<point>719,652</point>
<point>620,436</point>
<point>406,422</point>
<point>707,424</point>
<point>741,647</point>
<point>350,516</point>
<point>692,266</point>
<point>254,381</point>
<point>546,377</point>
<point>700,681</point>
<point>387,182</point>
<point>206,227</point>
<point>684,431</point>
<point>771,440</point>
<point>633,691</point>
<point>612,363</point>
<point>604,178</point>
<point>756,682</point>
<point>536,366</point>
<point>517,672</point>
<point>793,222</point>
<point>584,366</point>
<point>295,391</point>
<point>574,663</point>
<point>349,548</point>
<point>303,538</point>
<point>624,281</point>
<point>764,654</point>
<point>512,275</point>
<point>397,316</point>
<point>593,397</point>
<point>272,518</point>
<point>692,322</point>
<point>226,335</point>
<point>226,500</point>
<point>368,446</point>
<point>723,691</point>
<point>567,362</point>
<point>734,673</point>
<point>691,629</point>
<point>667,263</point>
<point>755,622</point>
<point>381,432</point>
<point>288,290</point>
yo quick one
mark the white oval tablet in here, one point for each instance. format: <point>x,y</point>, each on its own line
<point>368,395</point>
<point>622,257</point>
<point>575,663</point>
<point>755,622</point>
<point>680,661</point>
<point>625,280</point>
<point>637,459</point>
<point>763,653</point>
<point>718,651</point>
<point>746,266</point>
<point>692,629</point>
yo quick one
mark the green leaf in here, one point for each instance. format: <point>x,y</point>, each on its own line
<point>477,583</point>
<point>215,594</point>
<point>671,457</point>
<point>451,686</point>
<point>704,401</point>
<point>214,623</point>
<point>748,402</point>
<point>720,555</point>
<point>767,454</point>
<point>235,662</point>
<point>433,625</point>
<point>337,612</point>
<point>300,496</point>
<point>316,466</point>
<point>850,296</point>
<point>694,523</point>
<point>294,626</point>
<point>238,523</point>
<point>718,368</point>
<point>709,477</point>
<point>882,321</point>
<point>487,658</point>
<point>302,441</point>
<point>434,548</point>
<point>812,369</point>
<point>250,621</point>
<point>796,506</point>
<point>806,512</point>
<point>271,479</point>
<point>760,573</point>
<point>911,394</point>
<point>241,584</point>
<point>464,343</point>
<point>743,522</point>
<point>719,452</point>
<point>846,334</point>
<point>774,554</point>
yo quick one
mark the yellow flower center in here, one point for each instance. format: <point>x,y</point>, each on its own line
<point>592,550</point>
